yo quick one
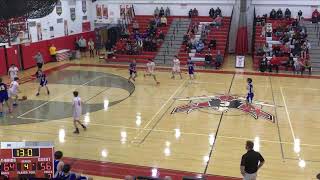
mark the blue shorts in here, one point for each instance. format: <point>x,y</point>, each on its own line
<point>132,72</point>
<point>191,71</point>
<point>4,97</point>
<point>43,83</point>
<point>250,97</point>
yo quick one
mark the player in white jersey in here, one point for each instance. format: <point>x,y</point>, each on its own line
<point>14,90</point>
<point>150,70</point>
<point>176,67</point>
<point>77,112</point>
<point>13,72</point>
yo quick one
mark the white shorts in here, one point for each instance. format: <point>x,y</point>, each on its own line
<point>176,69</point>
<point>11,93</point>
<point>12,78</point>
<point>76,115</point>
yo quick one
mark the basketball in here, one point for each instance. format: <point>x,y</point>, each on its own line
<point>24,98</point>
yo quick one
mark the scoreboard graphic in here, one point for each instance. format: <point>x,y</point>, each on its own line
<point>25,160</point>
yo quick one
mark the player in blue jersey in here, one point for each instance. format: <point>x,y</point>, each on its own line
<point>66,174</point>
<point>250,93</point>
<point>4,98</point>
<point>42,80</point>
<point>58,163</point>
<point>133,71</point>
<point>191,67</point>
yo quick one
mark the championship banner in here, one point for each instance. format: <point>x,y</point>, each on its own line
<point>98,11</point>
<point>240,61</point>
<point>73,13</point>
<point>122,11</point>
<point>59,8</point>
<point>39,32</point>
<point>104,12</point>
<point>51,31</point>
<point>66,29</point>
<point>84,6</point>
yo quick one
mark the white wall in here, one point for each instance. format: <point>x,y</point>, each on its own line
<point>306,6</point>
<point>73,26</point>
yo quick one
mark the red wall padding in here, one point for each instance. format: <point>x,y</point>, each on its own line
<point>3,69</point>
<point>13,56</point>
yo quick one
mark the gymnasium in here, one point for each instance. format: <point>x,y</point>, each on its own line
<point>159,89</point>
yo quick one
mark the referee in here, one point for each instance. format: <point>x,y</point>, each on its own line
<point>250,162</point>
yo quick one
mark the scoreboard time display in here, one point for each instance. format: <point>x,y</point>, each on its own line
<point>26,160</point>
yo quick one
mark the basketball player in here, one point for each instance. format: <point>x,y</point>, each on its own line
<point>14,90</point>
<point>42,80</point>
<point>66,174</point>
<point>77,111</point>
<point>133,71</point>
<point>4,98</point>
<point>191,66</point>
<point>250,93</point>
<point>13,72</point>
<point>58,163</point>
<point>176,67</point>
<point>150,70</point>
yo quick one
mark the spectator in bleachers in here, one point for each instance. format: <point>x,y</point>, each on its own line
<point>287,14</point>
<point>163,21</point>
<point>129,178</point>
<point>167,12</point>
<point>299,15</point>
<point>296,65</point>
<point>263,64</point>
<point>260,21</point>
<point>306,65</point>
<point>211,13</point>
<point>279,14</point>
<point>273,14</point>
<point>315,16</point>
<point>219,60</point>
<point>208,59</point>
<point>185,38</point>
<point>217,22</point>
<point>218,12</point>
<point>83,46</point>
<point>195,13</point>
<point>212,44</point>
<point>199,46</point>
<point>190,13</point>
<point>58,163</point>
<point>53,52</point>
<point>156,12</point>
<point>135,26</point>
<point>161,13</point>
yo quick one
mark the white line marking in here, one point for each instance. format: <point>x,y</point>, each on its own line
<point>161,108</point>
<point>288,115</point>
<point>59,96</point>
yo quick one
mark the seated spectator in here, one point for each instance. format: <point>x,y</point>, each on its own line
<point>195,13</point>
<point>211,13</point>
<point>269,31</point>
<point>199,46</point>
<point>279,14</point>
<point>167,12</point>
<point>218,12</point>
<point>208,58</point>
<point>156,12</point>
<point>217,22</point>
<point>212,44</point>
<point>299,15</point>
<point>263,64</point>
<point>185,38</point>
<point>58,163</point>
<point>219,60</point>
<point>161,13</point>
<point>306,65</point>
<point>190,13</point>
<point>315,16</point>
<point>287,14</point>
<point>67,174</point>
<point>135,26</point>
<point>161,35</point>
<point>163,21</point>
<point>273,14</point>
<point>259,21</point>
<point>157,22</point>
<point>296,65</point>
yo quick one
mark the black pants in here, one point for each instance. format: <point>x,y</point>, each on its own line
<point>39,65</point>
<point>91,53</point>
<point>54,58</point>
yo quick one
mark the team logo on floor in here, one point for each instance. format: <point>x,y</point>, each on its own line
<point>223,103</point>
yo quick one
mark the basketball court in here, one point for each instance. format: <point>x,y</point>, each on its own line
<point>132,125</point>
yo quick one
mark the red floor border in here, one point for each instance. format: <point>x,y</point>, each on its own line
<point>119,170</point>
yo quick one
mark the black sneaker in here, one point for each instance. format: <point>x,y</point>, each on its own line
<point>84,127</point>
<point>76,131</point>
<point>37,94</point>
<point>48,92</point>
